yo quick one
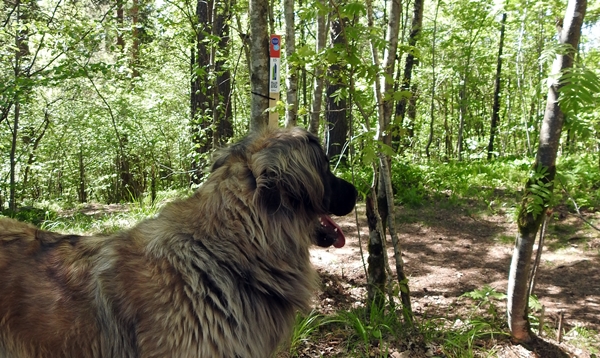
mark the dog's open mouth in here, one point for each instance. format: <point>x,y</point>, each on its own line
<point>331,233</point>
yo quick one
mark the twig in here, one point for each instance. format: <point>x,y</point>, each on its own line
<point>538,254</point>
<point>542,317</point>
<point>561,317</point>
<point>579,215</point>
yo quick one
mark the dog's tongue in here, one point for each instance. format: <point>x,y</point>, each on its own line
<point>331,226</point>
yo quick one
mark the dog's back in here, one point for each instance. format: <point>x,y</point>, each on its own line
<point>48,283</point>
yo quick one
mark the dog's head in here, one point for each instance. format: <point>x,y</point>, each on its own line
<point>290,176</point>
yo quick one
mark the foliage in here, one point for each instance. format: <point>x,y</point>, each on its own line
<point>304,328</point>
<point>373,326</point>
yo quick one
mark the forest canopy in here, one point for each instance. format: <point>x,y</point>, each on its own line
<point>102,101</point>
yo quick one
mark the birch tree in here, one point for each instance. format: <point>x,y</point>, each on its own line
<point>540,185</point>
<point>384,205</point>
<point>321,38</point>
<point>291,80</point>
<point>259,63</point>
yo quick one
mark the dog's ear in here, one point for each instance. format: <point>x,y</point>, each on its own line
<point>288,172</point>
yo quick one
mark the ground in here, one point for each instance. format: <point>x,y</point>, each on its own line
<point>449,250</point>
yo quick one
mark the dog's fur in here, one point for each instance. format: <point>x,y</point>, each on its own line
<point>220,274</point>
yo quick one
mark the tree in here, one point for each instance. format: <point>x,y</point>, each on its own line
<point>496,105</point>
<point>210,105</point>
<point>336,130</point>
<point>259,63</point>
<point>321,38</point>
<point>411,61</point>
<point>291,79</point>
<point>539,187</point>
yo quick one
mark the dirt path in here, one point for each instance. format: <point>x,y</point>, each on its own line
<point>450,251</point>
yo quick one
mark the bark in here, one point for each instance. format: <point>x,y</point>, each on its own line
<point>496,105</point>
<point>376,275</point>
<point>81,192</point>
<point>21,50</point>
<point>321,38</point>
<point>34,147</point>
<point>12,201</point>
<point>411,61</point>
<point>389,62</point>
<point>259,64</point>
<point>336,115</point>
<point>120,21</point>
<point>201,103</point>
<point>528,224</point>
<point>381,188</point>
<point>402,279</point>
<point>291,79</point>
<point>222,115</point>
<point>135,45</point>
<point>433,82</point>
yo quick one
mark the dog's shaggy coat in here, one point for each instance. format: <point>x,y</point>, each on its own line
<point>220,274</point>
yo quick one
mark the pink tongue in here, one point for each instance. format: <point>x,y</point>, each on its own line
<point>330,225</point>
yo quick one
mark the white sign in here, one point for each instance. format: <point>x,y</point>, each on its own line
<point>274,73</point>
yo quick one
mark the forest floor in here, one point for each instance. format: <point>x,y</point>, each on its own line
<point>449,250</point>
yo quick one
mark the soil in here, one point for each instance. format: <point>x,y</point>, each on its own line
<point>449,251</point>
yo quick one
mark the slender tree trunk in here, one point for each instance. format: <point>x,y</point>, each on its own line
<point>321,38</point>
<point>291,80</point>
<point>433,81</point>
<point>394,11</point>
<point>545,165</point>
<point>385,99</point>
<point>496,105</point>
<point>222,101</point>
<point>462,112</point>
<point>12,201</point>
<point>376,245</point>
<point>337,121</point>
<point>82,194</point>
<point>259,63</point>
<point>135,44</point>
<point>201,103</point>
<point>411,61</point>
<point>120,24</point>
<point>36,144</point>
<point>21,50</point>
<point>376,261</point>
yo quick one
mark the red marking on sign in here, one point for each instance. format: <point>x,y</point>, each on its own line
<point>275,46</point>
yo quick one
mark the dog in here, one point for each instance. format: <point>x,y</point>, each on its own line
<point>219,274</point>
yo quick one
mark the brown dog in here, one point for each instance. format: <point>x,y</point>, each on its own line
<point>220,274</point>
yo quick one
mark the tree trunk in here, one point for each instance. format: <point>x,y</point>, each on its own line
<point>259,64</point>
<point>120,22</point>
<point>321,38</point>
<point>337,121</point>
<point>21,50</point>
<point>81,192</point>
<point>291,79</point>
<point>201,103</point>
<point>496,105</point>
<point>34,147</point>
<point>12,201</point>
<point>376,261</point>
<point>433,81</point>
<point>545,166</point>
<point>135,43</point>
<point>411,61</point>
<point>389,61</point>
<point>223,113</point>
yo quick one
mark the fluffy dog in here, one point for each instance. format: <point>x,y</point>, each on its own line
<point>219,274</point>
